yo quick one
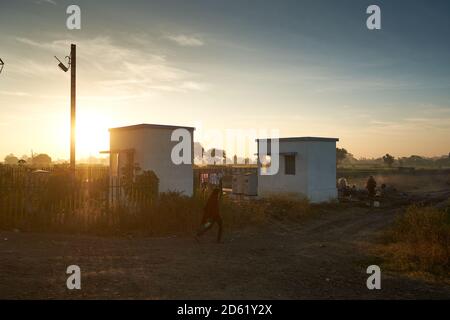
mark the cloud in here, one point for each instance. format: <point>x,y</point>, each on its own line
<point>195,86</point>
<point>31,68</point>
<point>115,70</point>
<point>186,41</point>
<point>335,84</point>
<point>408,126</point>
<point>31,42</point>
<point>15,93</point>
<point>45,1</point>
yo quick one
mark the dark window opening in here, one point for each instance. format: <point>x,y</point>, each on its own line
<point>289,165</point>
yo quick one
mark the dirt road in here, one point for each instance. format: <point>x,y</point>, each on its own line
<point>323,258</point>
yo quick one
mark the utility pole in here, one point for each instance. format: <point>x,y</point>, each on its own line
<point>73,93</point>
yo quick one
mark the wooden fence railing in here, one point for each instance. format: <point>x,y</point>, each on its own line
<point>56,199</point>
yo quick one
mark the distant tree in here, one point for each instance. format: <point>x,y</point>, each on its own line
<point>25,157</point>
<point>341,154</point>
<point>41,160</point>
<point>247,161</point>
<point>224,156</point>
<point>444,161</point>
<point>11,160</point>
<point>417,161</point>
<point>235,160</point>
<point>388,159</point>
<point>213,155</point>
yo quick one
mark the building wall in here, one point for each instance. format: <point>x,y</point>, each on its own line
<point>322,171</point>
<point>315,176</point>
<point>281,183</point>
<point>153,149</point>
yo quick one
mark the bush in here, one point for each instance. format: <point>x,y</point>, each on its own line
<point>147,182</point>
<point>420,241</point>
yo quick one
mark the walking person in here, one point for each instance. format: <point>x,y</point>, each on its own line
<point>211,215</point>
<point>371,186</point>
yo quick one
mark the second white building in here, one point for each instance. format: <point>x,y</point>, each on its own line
<point>307,166</point>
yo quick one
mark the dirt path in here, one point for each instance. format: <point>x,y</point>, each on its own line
<point>323,258</point>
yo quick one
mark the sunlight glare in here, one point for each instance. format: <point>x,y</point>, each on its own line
<point>92,133</point>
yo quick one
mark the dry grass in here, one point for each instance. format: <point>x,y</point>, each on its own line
<point>256,212</point>
<point>419,242</point>
<point>56,202</point>
<point>174,214</point>
<point>287,207</point>
<point>168,214</point>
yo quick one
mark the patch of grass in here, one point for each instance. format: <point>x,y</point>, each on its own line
<point>66,206</point>
<point>169,214</point>
<point>286,207</point>
<point>419,242</point>
<point>175,214</point>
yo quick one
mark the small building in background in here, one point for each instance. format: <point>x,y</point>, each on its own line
<point>149,147</point>
<point>245,183</point>
<point>307,166</point>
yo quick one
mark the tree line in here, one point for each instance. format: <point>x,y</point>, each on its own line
<point>344,157</point>
<point>39,160</point>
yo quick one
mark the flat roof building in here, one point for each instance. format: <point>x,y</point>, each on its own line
<point>149,147</point>
<point>307,166</point>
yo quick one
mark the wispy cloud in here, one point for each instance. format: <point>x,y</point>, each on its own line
<point>195,86</point>
<point>45,1</point>
<point>348,84</point>
<point>186,41</point>
<point>412,125</point>
<point>14,93</point>
<point>116,70</point>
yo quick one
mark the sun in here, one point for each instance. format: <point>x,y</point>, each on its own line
<point>92,134</point>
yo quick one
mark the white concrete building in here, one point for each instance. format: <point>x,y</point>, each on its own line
<point>149,146</point>
<point>307,166</point>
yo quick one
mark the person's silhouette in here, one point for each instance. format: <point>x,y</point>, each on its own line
<point>371,187</point>
<point>211,215</point>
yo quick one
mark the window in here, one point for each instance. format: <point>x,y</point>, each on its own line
<point>289,164</point>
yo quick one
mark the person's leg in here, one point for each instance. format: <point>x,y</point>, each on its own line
<point>371,197</point>
<point>219,234</point>
<point>204,227</point>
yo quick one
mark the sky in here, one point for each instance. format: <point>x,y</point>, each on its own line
<point>302,68</point>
